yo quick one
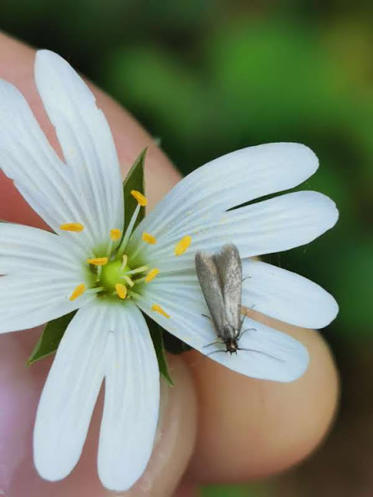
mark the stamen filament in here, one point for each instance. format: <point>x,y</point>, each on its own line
<point>128,280</point>
<point>134,295</point>
<point>74,227</point>
<point>151,275</point>
<point>77,292</point>
<point>158,308</point>
<point>129,229</point>
<point>95,290</point>
<point>183,245</point>
<point>140,269</point>
<point>124,261</point>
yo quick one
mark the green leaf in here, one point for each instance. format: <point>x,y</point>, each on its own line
<point>156,333</point>
<point>50,338</point>
<point>134,181</point>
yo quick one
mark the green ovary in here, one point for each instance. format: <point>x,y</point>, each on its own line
<point>111,274</point>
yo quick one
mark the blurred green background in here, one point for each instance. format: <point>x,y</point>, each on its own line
<point>208,77</point>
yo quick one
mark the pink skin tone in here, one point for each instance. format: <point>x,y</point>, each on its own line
<point>206,434</point>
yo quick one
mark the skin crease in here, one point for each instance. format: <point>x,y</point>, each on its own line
<point>247,428</point>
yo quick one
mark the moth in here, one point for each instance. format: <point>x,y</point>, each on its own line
<point>220,277</point>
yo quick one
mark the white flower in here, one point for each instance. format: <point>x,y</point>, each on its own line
<point>47,275</point>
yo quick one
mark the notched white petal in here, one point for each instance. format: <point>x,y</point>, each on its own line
<point>269,355</point>
<point>131,400</point>
<point>273,355</point>
<point>86,142</point>
<point>274,225</point>
<point>228,181</point>
<point>286,296</point>
<point>70,393</point>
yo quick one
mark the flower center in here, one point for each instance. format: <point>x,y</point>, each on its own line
<point>116,277</point>
<point>110,275</point>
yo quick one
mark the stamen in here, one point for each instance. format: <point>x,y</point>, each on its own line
<point>182,245</point>
<point>140,269</point>
<point>158,308</point>
<point>128,280</point>
<point>134,295</point>
<point>78,291</point>
<point>124,261</point>
<point>141,199</point>
<point>151,275</point>
<point>121,290</point>
<point>148,238</point>
<point>98,261</point>
<point>75,227</point>
<point>115,234</point>
<point>129,229</point>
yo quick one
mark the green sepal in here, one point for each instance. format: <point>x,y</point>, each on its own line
<point>174,345</point>
<point>156,333</point>
<point>134,181</point>
<point>50,338</point>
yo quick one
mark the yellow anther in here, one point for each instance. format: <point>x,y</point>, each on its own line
<point>121,290</point>
<point>182,245</point>
<point>76,227</point>
<point>151,275</point>
<point>158,308</point>
<point>141,199</point>
<point>98,261</point>
<point>115,234</point>
<point>128,280</point>
<point>148,238</point>
<point>78,291</point>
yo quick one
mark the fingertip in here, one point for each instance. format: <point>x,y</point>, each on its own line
<point>175,438</point>
<point>252,428</point>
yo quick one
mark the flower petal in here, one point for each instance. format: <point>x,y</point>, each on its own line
<point>286,296</point>
<point>28,159</point>
<point>70,393</point>
<point>27,250</point>
<point>228,181</point>
<point>131,400</point>
<point>280,223</point>
<point>86,141</point>
<point>272,355</point>
<point>30,300</point>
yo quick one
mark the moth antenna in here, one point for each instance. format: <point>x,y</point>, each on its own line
<point>263,353</point>
<point>206,316</point>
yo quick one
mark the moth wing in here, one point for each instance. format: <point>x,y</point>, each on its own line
<point>228,264</point>
<point>209,280</point>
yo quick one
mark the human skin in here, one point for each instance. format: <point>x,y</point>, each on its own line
<point>216,425</point>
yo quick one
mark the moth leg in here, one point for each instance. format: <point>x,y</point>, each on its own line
<point>215,352</point>
<point>217,342</point>
<point>244,331</point>
<point>206,316</point>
